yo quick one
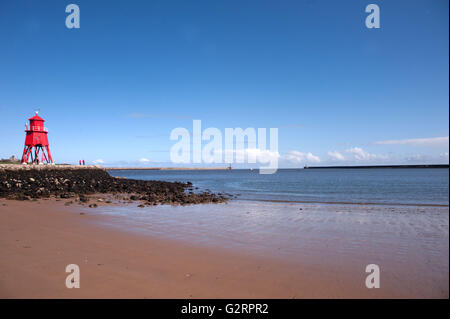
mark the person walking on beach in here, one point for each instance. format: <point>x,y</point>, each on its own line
<point>84,163</point>
<point>79,162</point>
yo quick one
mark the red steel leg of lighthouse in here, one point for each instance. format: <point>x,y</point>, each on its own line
<point>42,155</point>
<point>29,153</point>
<point>50,159</point>
<point>24,160</point>
<point>45,156</point>
<point>25,154</point>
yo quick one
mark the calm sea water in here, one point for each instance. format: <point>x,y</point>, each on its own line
<point>383,186</point>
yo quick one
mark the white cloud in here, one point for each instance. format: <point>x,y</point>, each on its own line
<point>98,161</point>
<point>144,160</point>
<point>432,141</point>
<point>361,155</point>
<point>300,157</point>
<point>336,156</point>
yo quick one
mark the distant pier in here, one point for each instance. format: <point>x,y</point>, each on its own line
<point>381,166</point>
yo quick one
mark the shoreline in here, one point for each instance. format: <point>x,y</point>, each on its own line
<point>39,238</point>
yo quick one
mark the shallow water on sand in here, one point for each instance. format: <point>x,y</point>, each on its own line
<point>409,243</point>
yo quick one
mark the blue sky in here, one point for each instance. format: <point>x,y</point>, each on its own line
<point>339,93</point>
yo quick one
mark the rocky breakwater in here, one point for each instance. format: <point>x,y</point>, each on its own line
<point>24,182</point>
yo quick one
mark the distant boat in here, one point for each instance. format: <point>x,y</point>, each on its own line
<point>305,167</point>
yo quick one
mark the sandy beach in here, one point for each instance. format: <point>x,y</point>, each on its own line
<point>38,239</point>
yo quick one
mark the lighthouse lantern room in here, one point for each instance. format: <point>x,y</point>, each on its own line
<point>36,142</point>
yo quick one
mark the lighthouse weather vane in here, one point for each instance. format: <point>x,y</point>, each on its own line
<point>36,142</point>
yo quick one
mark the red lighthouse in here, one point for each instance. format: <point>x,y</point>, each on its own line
<point>36,138</point>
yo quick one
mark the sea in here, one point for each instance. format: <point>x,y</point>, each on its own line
<point>410,186</point>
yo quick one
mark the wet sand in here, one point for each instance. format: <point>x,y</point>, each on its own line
<point>39,239</point>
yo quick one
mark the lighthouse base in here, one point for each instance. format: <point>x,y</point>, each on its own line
<point>40,154</point>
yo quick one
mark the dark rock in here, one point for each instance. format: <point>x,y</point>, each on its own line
<point>83,199</point>
<point>26,183</point>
